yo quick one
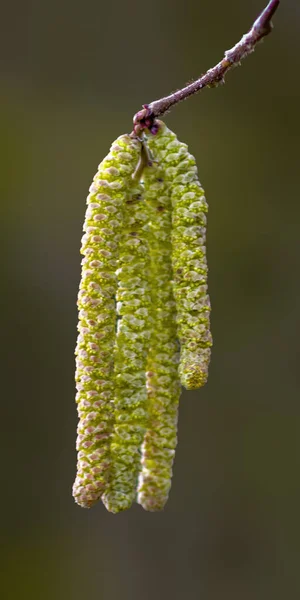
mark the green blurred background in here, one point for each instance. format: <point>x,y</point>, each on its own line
<point>72,76</point>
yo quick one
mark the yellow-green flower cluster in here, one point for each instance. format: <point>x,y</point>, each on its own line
<point>97,318</point>
<point>189,208</point>
<point>143,319</point>
<point>163,383</point>
<point>132,342</point>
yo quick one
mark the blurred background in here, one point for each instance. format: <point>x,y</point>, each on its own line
<point>72,76</point>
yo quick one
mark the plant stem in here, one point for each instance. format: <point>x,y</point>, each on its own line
<point>145,118</point>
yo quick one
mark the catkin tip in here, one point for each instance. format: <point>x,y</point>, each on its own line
<point>117,502</point>
<point>84,497</point>
<point>194,379</point>
<point>155,504</point>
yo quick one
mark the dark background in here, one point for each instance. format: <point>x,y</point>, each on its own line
<point>72,76</point>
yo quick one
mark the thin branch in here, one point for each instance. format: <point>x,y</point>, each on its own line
<point>145,118</point>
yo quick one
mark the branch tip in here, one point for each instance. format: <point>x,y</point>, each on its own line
<point>146,118</point>
<point>263,24</point>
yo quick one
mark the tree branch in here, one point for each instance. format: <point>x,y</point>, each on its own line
<point>146,118</point>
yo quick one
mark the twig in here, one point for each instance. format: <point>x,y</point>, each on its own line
<point>145,118</point>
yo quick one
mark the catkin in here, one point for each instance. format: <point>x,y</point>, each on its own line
<point>144,319</point>
<point>189,208</point>
<point>132,342</point>
<point>97,318</point>
<point>163,383</point>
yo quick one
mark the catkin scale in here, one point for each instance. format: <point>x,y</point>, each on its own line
<point>97,318</point>
<point>130,355</point>
<point>189,208</point>
<point>163,384</point>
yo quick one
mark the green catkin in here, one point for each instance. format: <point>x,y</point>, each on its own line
<point>97,318</point>
<point>189,208</point>
<point>132,342</point>
<point>163,383</point>
<point>143,288</point>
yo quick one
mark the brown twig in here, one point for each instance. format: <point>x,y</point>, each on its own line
<point>146,118</point>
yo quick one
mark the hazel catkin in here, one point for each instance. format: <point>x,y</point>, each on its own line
<point>189,209</point>
<point>97,318</point>
<point>163,385</point>
<point>130,354</point>
<point>144,319</point>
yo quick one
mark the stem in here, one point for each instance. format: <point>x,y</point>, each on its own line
<point>144,161</point>
<point>145,118</point>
